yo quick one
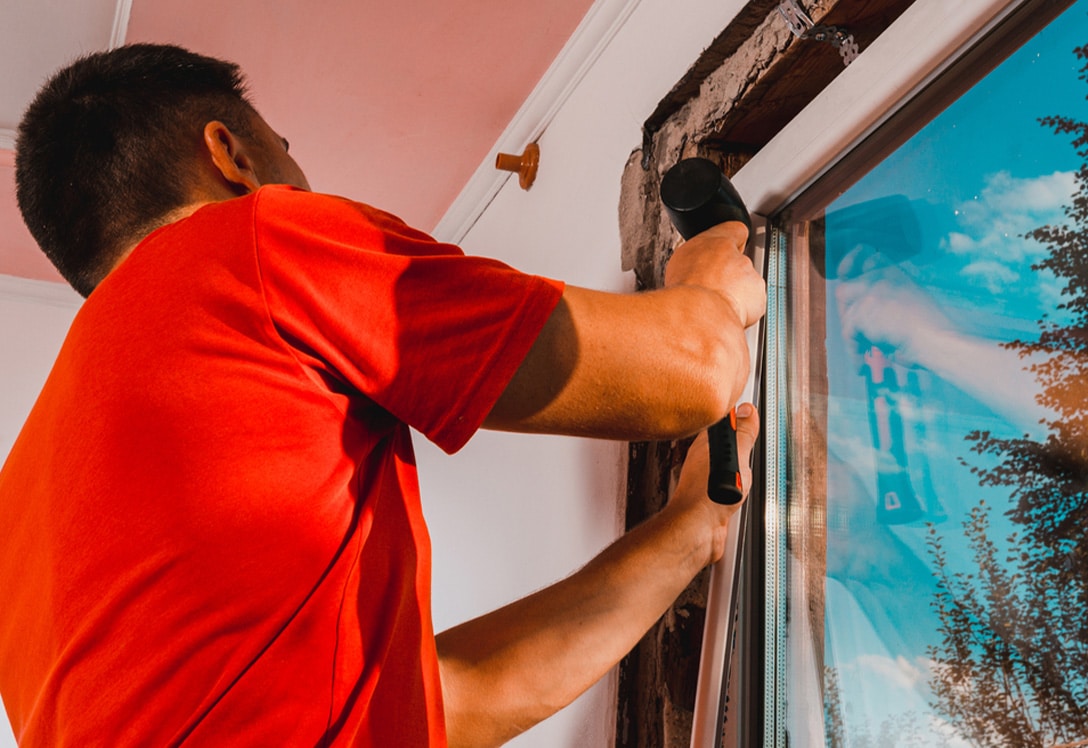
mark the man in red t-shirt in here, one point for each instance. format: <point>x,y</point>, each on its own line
<point>211,521</point>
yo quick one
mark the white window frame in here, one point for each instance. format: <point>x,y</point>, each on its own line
<point>920,45</point>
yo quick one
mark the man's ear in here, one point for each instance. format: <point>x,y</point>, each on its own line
<point>231,157</point>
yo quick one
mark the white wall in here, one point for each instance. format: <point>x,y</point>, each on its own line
<point>510,514</point>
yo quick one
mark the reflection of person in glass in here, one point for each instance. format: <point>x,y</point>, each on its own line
<point>902,343</point>
<point>880,303</point>
<point>1006,656</point>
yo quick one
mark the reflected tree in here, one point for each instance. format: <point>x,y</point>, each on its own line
<point>1011,668</point>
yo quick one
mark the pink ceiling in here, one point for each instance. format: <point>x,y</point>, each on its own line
<point>395,104</point>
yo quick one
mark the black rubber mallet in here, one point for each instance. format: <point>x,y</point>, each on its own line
<point>698,195</point>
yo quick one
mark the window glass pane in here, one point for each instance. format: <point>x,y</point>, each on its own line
<point>939,426</point>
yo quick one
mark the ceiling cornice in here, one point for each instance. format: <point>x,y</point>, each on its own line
<point>120,23</point>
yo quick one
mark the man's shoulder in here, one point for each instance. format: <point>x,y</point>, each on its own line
<point>340,218</point>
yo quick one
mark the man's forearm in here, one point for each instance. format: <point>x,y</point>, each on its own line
<point>505,671</point>
<point>658,365</point>
<point>508,670</point>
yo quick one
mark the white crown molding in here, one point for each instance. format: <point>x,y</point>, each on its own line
<point>38,292</point>
<point>7,141</point>
<point>601,23</point>
<point>120,23</point>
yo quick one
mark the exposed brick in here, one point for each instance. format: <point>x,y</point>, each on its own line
<point>742,90</point>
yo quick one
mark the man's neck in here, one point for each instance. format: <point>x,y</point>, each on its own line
<point>173,216</point>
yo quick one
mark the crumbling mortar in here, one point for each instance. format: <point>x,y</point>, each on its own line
<point>647,241</point>
<point>727,85</point>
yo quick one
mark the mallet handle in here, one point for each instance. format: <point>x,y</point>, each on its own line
<point>697,195</point>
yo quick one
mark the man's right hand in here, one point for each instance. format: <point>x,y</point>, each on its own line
<point>715,260</point>
<point>690,494</point>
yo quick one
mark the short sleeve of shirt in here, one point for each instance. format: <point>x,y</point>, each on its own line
<point>427,333</point>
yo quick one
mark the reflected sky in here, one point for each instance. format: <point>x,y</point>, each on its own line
<point>921,291</point>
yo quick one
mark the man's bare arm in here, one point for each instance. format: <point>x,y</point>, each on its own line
<point>505,671</point>
<point>655,365</point>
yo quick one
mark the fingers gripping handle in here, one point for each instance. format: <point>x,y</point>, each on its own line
<point>698,195</point>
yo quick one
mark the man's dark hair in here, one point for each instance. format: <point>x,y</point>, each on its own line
<point>106,149</point>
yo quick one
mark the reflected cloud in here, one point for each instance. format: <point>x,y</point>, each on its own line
<point>993,276</point>
<point>993,226</point>
<point>899,671</point>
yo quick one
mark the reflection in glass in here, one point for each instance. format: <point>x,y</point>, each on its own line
<point>938,575</point>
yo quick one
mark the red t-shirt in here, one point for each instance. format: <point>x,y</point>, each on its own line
<point>210,528</point>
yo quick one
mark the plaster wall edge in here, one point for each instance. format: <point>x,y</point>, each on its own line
<point>26,290</point>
